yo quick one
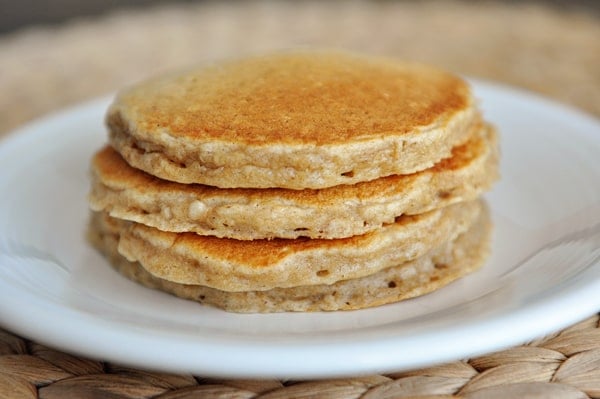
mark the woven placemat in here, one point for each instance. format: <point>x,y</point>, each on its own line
<point>566,365</point>
<point>554,52</point>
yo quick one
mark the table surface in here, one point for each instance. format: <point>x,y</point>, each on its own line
<point>550,51</point>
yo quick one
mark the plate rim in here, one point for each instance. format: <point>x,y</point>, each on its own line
<point>348,363</point>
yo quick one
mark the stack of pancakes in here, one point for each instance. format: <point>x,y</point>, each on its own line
<point>297,181</point>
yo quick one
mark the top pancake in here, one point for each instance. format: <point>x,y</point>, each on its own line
<point>292,120</point>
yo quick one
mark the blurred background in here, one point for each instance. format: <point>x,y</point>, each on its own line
<point>56,53</point>
<point>30,12</point>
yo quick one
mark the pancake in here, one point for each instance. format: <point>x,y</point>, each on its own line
<point>431,271</point>
<point>234,265</point>
<point>336,212</point>
<point>303,119</point>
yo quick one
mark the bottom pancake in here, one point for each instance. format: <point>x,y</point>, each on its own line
<point>431,271</point>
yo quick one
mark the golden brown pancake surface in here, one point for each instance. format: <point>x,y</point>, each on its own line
<point>291,98</point>
<point>297,120</point>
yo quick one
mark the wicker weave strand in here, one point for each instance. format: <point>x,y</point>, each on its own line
<point>565,365</point>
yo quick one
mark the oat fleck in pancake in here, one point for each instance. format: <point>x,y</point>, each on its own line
<point>293,120</point>
<point>336,212</point>
<point>436,268</point>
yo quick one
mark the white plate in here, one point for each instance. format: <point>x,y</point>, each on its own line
<point>544,273</point>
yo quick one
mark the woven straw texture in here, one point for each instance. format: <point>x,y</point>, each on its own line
<point>554,52</point>
<point>566,365</point>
